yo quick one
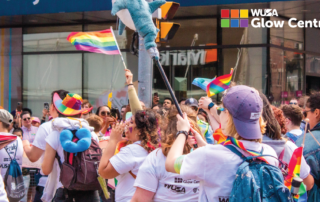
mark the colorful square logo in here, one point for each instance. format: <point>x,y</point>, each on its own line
<point>234,18</point>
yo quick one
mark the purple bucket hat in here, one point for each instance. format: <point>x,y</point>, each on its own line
<point>245,106</point>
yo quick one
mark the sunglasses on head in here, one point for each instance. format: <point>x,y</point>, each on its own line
<point>105,113</point>
<point>25,119</point>
<point>219,110</point>
<point>293,103</point>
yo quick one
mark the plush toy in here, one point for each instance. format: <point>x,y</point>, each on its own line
<point>81,145</point>
<point>141,14</point>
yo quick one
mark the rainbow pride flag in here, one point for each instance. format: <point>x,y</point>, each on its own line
<point>294,171</point>
<point>219,84</point>
<point>97,42</point>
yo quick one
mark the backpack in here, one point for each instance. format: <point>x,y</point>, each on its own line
<point>80,170</point>
<point>253,176</point>
<point>13,179</point>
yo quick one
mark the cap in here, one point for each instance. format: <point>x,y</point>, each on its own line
<point>245,106</point>
<point>191,102</point>
<point>35,119</point>
<point>5,116</point>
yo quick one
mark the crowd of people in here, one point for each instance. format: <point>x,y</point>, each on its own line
<point>153,154</point>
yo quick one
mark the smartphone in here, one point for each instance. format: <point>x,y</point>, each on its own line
<point>19,106</point>
<point>114,112</point>
<point>46,105</point>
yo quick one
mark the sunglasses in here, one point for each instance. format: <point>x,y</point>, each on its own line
<point>25,119</point>
<point>305,113</point>
<point>219,110</point>
<point>293,103</point>
<point>105,113</point>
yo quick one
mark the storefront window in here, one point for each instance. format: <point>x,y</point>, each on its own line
<point>249,35</point>
<point>286,76</point>
<point>43,74</point>
<point>249,66</point>
<point>104,74</point>
<point>205,29</point>
<point>181,67</point>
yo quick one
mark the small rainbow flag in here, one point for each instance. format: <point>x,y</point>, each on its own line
<point>219,84</point>
<point>97,42</point>
<point>294,171</point>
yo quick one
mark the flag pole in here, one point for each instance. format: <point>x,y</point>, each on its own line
<point>166,81</point>
<point>124,64</point>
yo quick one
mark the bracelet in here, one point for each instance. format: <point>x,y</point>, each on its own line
<point>210,105</point>
<point>131,84</point>
<point>182,132</point>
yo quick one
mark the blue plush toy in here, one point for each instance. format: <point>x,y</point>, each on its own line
<point>83,143</point>
<point>141,13</point>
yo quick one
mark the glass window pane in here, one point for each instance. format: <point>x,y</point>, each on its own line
<point>286,76</point>
<point>47,42</point>
<point>104,74</point>
<point>43,74</point>
<point>181,68</point>
<point>206,29</point>
<point>249,66</point>
<point>249,35</point>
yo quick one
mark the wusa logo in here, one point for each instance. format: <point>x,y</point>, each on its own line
<point>176,189</point>
<point>235,18</point>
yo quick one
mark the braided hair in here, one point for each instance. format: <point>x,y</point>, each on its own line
<point>147,123</point>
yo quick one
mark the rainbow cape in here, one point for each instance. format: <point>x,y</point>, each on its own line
<point>293,171</point>
<point>219,84</point>
<point>97,42</point>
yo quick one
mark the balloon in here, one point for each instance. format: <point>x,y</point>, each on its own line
<point>125,17</point>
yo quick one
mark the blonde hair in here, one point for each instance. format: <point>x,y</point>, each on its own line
<point>231,130</point>
<point>95,121</point>
<point>169,134</point>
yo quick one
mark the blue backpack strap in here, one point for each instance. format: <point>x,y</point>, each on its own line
<point>234,150</point>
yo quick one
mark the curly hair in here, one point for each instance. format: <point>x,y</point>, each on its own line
<point>170,130</point>
<point>273,129</point>
<point>280,118</point>
<point>147,123</point>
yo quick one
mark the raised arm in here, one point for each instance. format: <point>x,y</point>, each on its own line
<point>132,94</point>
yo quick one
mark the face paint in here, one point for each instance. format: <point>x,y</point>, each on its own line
<point>130,129</point>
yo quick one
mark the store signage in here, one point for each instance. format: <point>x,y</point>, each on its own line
<point>299,93</point>
<point>284,94</point>
<point>183,57</point>
<point>239,18</point>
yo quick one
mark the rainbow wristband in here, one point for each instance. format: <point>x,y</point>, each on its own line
<point>178,163</point>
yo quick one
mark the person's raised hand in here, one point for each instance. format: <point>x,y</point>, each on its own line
<point>117,131</point>
<point>183,123</point>
<point>110,120</point>
<point>128,76</point>
<point>45,112</point>
<point>191,141</point>
<point>204,102</point>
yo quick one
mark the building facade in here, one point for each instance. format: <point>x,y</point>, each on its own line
<point>35,57</point>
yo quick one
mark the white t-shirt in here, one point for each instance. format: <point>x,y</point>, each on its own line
<point>152,176</point>
<point>128,159</point>
<point>3,193</point>
<point>40,141</point>
<point>296,132</point>
<point>215,166</point>
<point>44,130</point>
<point>4,157</point>
<point>289,149</point>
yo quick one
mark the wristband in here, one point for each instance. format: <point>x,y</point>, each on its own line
<point>131,84</point>
<point>210,105</point>
<point>178,163</point>
<point>182,132</point>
